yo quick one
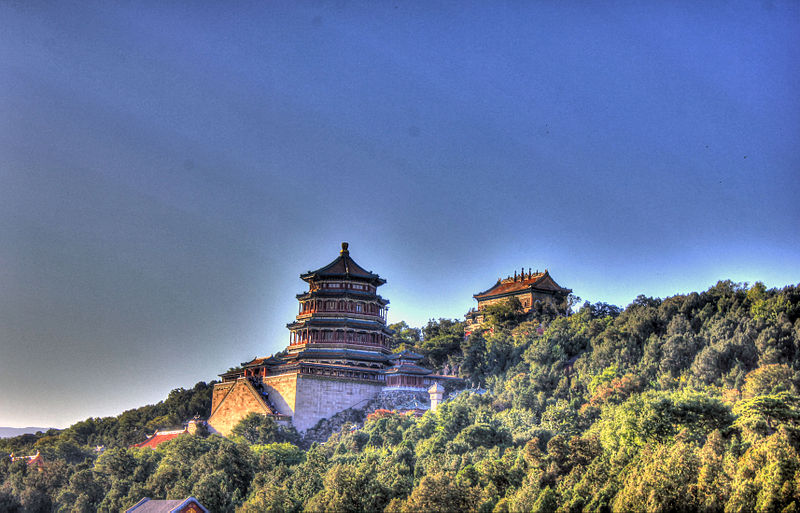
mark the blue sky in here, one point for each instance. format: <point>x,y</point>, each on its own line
<point>167,170</point>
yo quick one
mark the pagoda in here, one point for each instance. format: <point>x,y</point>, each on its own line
<point>341,313</point>
<point>339,355</point>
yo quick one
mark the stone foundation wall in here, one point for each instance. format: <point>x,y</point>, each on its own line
<point>236,404</point>
<point>219,392</point>
<point>282,391</point>
<point>320,398</point>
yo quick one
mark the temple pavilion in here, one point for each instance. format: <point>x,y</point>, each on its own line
<point>529,288</point>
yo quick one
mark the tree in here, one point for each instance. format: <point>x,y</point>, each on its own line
<point>9,503</point>
<point>765,480</point>
<point>256,428</point>
<point>404,336</point>
<point>439,492</point>
<point>769,379</point>
<point>441,342</point>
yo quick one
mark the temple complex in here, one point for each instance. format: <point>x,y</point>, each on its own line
<point>339,355</point>
<point>529,288</point>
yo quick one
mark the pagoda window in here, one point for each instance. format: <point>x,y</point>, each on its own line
<point>359,307</point>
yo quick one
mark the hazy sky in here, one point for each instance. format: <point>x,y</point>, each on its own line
<point>168,169</point>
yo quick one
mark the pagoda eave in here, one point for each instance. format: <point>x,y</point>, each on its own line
<point>372,280</point>
<point>484,296</point>
<point>339,322</point>
<point>349,294</point>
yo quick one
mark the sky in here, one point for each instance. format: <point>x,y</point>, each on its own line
<point>168,169</point>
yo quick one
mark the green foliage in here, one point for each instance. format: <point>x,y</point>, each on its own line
<point>404,336</point>
<point>261,429</point>
<point>441,342</point>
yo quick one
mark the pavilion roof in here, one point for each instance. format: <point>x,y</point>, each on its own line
<point>408,368</point>
<point>406,355</point>
<point>529,281</point>
<point>343,267</point>
<point>159,437</point>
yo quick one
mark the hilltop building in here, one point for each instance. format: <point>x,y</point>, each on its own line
<point>165,435</point>
<point>338,357</point>
<point>147,505</point>
<point>34,461</point>
<point>529,288</point>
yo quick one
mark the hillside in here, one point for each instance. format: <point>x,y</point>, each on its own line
<point>686,403</point>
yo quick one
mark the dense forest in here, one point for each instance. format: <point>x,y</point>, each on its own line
<point>689,403</point>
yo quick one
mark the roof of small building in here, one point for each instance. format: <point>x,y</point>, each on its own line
<point>536,281</point>
<point>343,267</point>
<point>407,368</point>
<point>406,355</point>
<point>34,459</point>
<point>159,437</point>
<point>147,505</point>
<point>258,362</point>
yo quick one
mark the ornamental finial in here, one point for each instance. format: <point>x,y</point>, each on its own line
<point>344,248</point>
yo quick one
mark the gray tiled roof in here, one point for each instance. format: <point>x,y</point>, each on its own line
<point>162,506</point>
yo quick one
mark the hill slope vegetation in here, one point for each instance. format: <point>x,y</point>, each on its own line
<point>689,403</point>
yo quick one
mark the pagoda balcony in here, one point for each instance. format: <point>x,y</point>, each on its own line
<point>348,341</point>
<point>341,313</point>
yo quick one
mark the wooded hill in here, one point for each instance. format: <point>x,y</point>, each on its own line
<point>689,403</point>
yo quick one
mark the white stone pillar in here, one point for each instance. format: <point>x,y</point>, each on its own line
<point>436,391</point>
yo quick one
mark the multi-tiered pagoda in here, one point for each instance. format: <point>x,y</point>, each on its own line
<point>341,321</point>
<point>338,357</point>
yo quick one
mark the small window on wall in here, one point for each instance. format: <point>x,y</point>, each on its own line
<point>359,307</point>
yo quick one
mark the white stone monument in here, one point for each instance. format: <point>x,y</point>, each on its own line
<point>436,392</point>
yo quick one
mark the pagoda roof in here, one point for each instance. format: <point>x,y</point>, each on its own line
<point>352,354</point>
<point>529,281</point>
<point>406,355</point>
<point>408,368</point>
<point>347,322</point>
<point>343,267</point>
<point>336,294</point>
